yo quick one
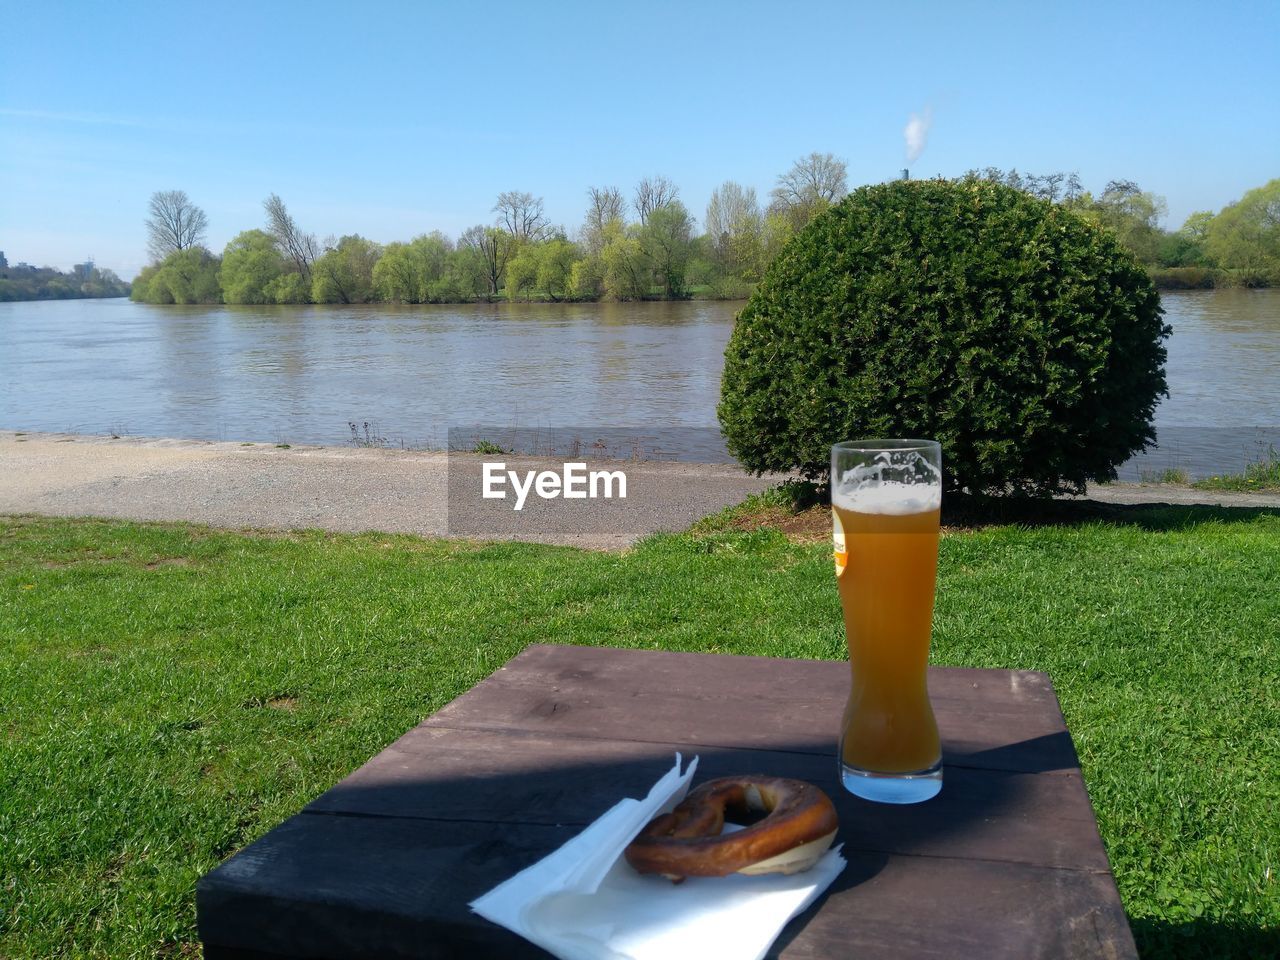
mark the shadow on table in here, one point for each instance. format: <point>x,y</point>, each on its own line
<point>1204,940</point>
<point>446,833</point>
<point>975,513</point>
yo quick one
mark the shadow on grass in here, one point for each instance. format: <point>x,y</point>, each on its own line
<point>1203,940</point>
<point>967,512</point>
<point>800,510</point>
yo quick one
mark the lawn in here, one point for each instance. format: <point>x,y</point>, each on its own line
<point>169,693</point>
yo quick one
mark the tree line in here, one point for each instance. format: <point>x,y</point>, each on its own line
<point>22,281</point>
<point>644,245</point>
<point>1237,246</point>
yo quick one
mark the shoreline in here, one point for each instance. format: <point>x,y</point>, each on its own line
<point>245,485</point>
<point>346,488</point>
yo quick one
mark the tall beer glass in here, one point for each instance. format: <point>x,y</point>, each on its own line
<point>886,496</point>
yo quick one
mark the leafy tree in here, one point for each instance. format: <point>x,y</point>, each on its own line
<point>778,229</point>
<point>586,279</point>
<point>289,288</point>
<point>811,185</point>
<point>522,273</point>
<point>344,272</point>
<point>1133,214</point>
<point>185,276</point>
<point>24,282</point>
<point>1196,226</point>
<point>173,223</point>
<point>491,249</point>
<point>397,277</point>
<point>140,288</point>
<point>555,268</point>
<point>665,246</point>
<point>250,265</point>
<point>545,268</point>
<point>1186,247</point>
<point>654,193</point>
<point>407,271</point>
<point>464,279</point>
<point>299,247</point>
<point>704,272</point>
<point>1245,235</point>
<point>1179,250</point>
<point>1026,340</point>
<point>626,272</point>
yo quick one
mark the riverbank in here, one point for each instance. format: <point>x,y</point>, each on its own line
<point>355,489</point>
<point>341,489</point>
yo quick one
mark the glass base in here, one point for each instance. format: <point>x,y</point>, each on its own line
<point>892,787</point>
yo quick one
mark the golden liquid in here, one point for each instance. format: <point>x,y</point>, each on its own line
<point>887,590</point>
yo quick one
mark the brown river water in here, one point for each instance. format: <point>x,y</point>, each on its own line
<point>406,375</point>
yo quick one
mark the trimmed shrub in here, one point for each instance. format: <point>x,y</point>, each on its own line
<point>1021,336</point>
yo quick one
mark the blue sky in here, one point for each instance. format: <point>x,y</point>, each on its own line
<point>392,119</point>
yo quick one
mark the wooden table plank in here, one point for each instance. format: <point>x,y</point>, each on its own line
<point>387,905</point>
<point>1007,720</point>
<point>354,888</point>
<point>481,775</point>
<point>1006,861</point>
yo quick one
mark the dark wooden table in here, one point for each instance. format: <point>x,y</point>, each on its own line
<point>1005,862</point>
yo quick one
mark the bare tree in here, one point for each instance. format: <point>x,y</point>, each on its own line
<point>1054,187</point>
<point>299,247</point>
<point>732,210</point>
<point>1050,185</point>
<point>606,205</point>
<point>652,193</point>
<point>521,215</point>
<point>175,223</point>
<point>1073,190</point>
<point>819,178</point>
<point>735,228</point>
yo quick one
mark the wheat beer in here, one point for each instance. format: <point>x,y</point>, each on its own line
<point>885,506</point>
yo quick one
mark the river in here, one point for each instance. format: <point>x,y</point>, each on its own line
<point>405,375</point>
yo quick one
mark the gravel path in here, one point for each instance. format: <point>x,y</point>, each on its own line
<point>350,489</point>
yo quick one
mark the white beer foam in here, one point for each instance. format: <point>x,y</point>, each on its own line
<point>891,498</point>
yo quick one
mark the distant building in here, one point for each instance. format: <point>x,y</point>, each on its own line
<point>3,262</point>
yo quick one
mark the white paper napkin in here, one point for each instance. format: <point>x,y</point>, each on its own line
<point>584,902</point>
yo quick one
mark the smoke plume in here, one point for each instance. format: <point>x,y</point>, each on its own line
<point>916,133</point>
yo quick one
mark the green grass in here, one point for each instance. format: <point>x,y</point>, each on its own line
<point>169,693</point>
<point>1263,474</point>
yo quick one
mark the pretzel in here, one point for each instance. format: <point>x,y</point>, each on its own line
<point>799,824</point>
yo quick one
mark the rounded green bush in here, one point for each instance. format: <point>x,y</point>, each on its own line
<point>1021,336</point>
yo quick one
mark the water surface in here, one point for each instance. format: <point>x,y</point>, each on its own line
<point>305,374</point>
